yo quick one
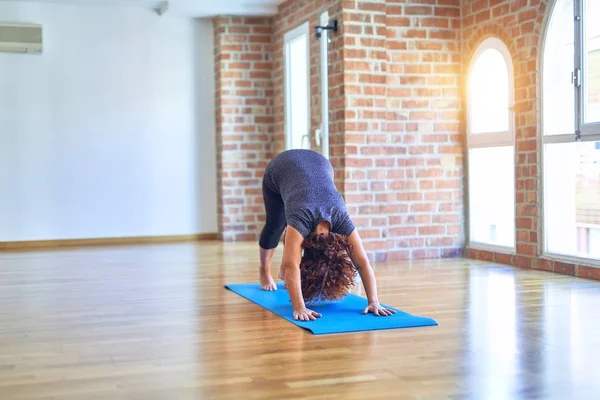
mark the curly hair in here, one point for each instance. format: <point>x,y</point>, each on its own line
<point>326,270</point>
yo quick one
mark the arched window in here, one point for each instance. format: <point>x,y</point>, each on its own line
<point>571,130</point>
<point>490,140</point>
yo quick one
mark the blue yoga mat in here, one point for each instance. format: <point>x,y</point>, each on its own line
<point>342,316</point>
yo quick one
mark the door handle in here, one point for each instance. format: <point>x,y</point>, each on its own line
<point>302,143</point>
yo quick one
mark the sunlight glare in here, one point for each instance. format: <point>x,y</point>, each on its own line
<point>488,93</point>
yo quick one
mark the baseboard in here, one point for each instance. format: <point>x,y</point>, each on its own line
<point>111,241</point>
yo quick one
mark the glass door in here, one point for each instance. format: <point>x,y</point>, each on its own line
<point>297,87</point>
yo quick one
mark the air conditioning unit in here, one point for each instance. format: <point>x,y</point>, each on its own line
<point>21,38</point>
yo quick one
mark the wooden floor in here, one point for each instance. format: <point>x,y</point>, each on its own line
<point>154,322</point>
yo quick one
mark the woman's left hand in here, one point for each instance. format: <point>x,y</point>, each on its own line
<point>376,309</point>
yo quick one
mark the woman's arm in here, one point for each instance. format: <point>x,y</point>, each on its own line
<point>292,255</point>
<point>361,261</point>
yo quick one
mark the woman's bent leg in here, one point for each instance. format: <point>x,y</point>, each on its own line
<point>270,235</point>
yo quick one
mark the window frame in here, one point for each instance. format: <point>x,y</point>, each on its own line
<point>582,132</point>
<point>288,37</point>
<point>491,139</point>
<point>323,134</point>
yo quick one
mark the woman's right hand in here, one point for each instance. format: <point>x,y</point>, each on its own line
<point>304,314</point>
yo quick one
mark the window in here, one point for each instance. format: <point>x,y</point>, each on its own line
<point>297,87</point>
<point>589,60</point>
<point>491,153</point>
<point>571,130</point>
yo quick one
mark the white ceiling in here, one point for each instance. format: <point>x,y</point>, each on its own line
<point>189,8</point>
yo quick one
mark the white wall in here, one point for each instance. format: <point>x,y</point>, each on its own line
<point>110,132</point>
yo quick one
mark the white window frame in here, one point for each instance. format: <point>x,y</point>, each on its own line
<point>289,37</point>
<point>582,132</point>
<point>492,139</point>
<point>322,134</point>
<point>582,129</point>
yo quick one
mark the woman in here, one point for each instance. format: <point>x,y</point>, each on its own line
<point>322,248</point>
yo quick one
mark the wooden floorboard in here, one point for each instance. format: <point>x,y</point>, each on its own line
<point>154,322</point>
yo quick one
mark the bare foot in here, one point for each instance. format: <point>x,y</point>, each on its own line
<point>266,281</point>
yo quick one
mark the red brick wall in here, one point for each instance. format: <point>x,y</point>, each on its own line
<point>520,25</point>
<point>337,98</point>
<point>244,122</point>
<point>367,151</point>
<point>403,142</point>
<point>394,121</point>
<point>396,118</point>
